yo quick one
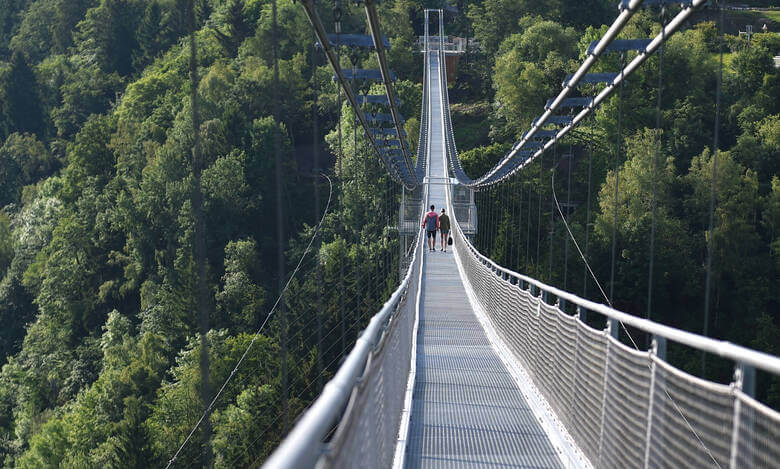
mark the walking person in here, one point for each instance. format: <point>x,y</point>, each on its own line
<point>444,230</point>
<point>431,224</point>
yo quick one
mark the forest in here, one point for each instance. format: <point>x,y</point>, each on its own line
<point>101,286</point>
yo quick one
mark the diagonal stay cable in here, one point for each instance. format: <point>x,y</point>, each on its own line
<point>625,329</point>
<point>257,333</point>
<point>577,245</point>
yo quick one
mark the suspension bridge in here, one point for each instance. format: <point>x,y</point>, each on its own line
<point>470,364</point>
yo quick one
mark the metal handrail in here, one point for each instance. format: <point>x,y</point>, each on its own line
<point>322,36</point>
<point>631,67</point>
<point>721,348</point>
<point>373,23</point>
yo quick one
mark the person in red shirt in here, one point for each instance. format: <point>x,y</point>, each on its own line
<point>431,224</point>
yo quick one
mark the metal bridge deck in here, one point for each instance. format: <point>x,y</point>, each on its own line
<point>467,409</point>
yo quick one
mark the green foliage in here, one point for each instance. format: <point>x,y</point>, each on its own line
<point>240,298</point>
<point>99,347</point>
<point>109,32</point>
<point>471,124</point>
<point>21,104</point>
<point>479,160</point>
<point>529,67</point>
<point>176,408</point>
<point>6,244</point>
<point>634,212</point>
<point>104,425</point>
<point>751,64</point>
<point>236,27</point>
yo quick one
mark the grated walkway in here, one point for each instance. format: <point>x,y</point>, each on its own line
<point>467,409</point>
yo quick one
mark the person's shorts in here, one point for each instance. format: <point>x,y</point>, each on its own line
<point>444,233</point>
<point>432,234</point>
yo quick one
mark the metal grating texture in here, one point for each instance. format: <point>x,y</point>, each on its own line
<point>467,409</point>
<point>367,434</point>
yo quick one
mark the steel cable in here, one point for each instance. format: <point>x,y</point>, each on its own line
<point>713,190</point>
<point>616,169</point>
<point>656,155</point>
<point>259,330</point>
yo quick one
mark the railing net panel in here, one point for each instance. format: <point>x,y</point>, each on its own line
<point>368,433</point>
<point>624,431</point>
<point>606,394</point>
<point>692,420</point>
<point>759,434</point>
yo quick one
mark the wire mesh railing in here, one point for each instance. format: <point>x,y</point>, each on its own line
<point>625,407</point>
<point>361,405</point>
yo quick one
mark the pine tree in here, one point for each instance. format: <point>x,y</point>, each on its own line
<point>121,41</point>
<point>203,11</point>
<point>21,105</point>
<point>69,13</point>
<point>174,24</point>
<point>236,28</point>
<point>148,36</point>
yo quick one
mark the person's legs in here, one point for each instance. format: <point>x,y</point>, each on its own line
<point>444,240</point>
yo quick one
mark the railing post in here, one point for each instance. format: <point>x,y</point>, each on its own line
<point>659,344</point>
<point>657,351</point>
<point>745,381</point>
<point>613,329</point>
<point>748,379</point>
<point>582,313</point>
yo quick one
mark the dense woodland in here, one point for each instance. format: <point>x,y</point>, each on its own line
<point>99,348</point>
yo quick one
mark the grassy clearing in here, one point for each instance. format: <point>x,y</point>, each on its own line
<point>728,58</point>
<point>773,15</point>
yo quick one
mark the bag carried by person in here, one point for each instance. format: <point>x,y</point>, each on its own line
<point>449,241</point>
